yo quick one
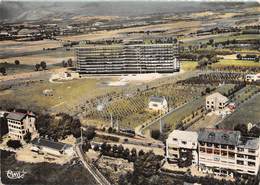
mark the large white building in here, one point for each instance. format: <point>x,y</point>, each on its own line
<point>216,151</point>
<point>216,101</point>
<point>121,59</point>
<point>223,152</point>
<point>20,123</point>
<point>180,143</point>
<point>158,103</point>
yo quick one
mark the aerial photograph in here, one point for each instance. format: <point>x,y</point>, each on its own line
<point>129,92</point>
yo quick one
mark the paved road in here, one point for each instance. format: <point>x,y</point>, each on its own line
<point>100,179</point>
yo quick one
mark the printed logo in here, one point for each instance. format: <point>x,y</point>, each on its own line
<point>15,174</point>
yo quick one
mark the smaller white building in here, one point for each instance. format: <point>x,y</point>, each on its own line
<point>158,103</point>
<point>216,101</point>
<point>180,142</point>
<point>253,77</point>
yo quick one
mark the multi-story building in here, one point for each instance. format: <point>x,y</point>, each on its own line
<point>121,59</point>
<point>216,101</point>
<point>180,144</point>
<point>19,124</point>
<point>224,152</point>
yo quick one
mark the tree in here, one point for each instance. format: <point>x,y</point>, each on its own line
<point>3,70</point>
<point>89,133</point>
<point>214,59</point>
<point>86,146</point>
<point>155,134</point>
<point>3,126</point>
<point>242,128</point>
<point>239,56</point>
<point>43,65</point>
<point>75,128</point>
<point>203,62</point>
<point>141,152</point>
<point>211,41</point>
<point>64,63</point>
<point>17,62</point>
<point>70,62</point>
<point>37,67</point>
<point>14,144</point>
<point>109,130</point>
<point>126,153</point>
<point>120,149</point>
<point>207,90</point>
<point>147,166</point>
<point>27,137</point>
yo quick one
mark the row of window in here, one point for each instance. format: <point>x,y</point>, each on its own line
<point>15,122</point>
<point>14,126</point>
<point>13,130</point>
<point>239,162</point>
<point>231,147</point>
<point>182,142</point>
<point>220,103</point>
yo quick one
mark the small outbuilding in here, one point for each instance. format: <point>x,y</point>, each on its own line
<point>51,147</point>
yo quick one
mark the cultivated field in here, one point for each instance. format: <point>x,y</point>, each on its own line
<point>175,118</point>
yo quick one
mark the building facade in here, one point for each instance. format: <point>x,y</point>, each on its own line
<point>216,101</point>
<point>20,123</point>
<point>51,147</point>
<point>157,103</point>
<point>224,152</point>
<point>121,59</point>
<point>179,144</point>
<point>216,151</point>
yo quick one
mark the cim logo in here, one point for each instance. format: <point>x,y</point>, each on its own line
<point>15,174</point>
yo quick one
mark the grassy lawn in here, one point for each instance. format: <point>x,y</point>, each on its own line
<point>188,65</point>
<point>67,94</point>
<point>248,112</point>
<point>231,62</point>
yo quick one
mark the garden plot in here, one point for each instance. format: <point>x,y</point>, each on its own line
<point>131,111</point>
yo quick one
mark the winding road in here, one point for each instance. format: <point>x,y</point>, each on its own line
<point>100,179</point>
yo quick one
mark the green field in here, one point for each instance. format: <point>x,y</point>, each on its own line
<point>66,95</point>
<point>189,65</point>
<point>227,62</point>
<point>222,38</point>
<point>248,112</point>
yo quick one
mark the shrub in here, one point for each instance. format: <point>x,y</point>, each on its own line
<point>155,134</point>
<point>14,144</point>
<point>27,137</point>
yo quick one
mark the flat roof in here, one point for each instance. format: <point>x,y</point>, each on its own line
<point>184,135</point>
<point>249,143</point>
<point>122,45</point>
<point>218,136</point>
